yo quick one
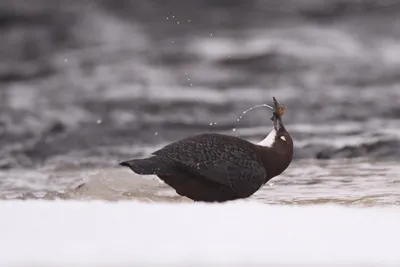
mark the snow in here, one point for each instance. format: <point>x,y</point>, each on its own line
<point>244,233</point>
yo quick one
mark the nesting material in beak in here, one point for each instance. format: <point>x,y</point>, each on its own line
<point>279,110</point>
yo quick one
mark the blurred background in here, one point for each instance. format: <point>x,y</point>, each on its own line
<point>85,84</point>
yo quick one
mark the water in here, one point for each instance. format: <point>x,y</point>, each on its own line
<point>345,182</point>
<point>74,107</point>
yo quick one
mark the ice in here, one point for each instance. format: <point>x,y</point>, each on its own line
<point>242,233</point>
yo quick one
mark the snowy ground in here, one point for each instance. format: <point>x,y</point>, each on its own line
<point>68,233</point>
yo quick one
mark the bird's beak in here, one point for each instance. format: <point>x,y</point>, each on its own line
<point>279,110</point>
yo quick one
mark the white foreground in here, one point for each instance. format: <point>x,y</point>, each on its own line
<point>69,233</point>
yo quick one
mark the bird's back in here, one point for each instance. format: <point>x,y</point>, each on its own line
<point>209,147</point>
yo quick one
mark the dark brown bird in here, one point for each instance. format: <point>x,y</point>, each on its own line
<point>213,167</point>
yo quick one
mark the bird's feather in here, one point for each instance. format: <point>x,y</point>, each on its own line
<point>219,158</point>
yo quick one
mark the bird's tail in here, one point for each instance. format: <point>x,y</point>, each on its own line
<point>150,165</point>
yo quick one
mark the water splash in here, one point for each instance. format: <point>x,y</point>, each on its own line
<point>247,110</point>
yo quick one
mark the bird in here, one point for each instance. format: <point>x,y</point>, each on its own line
<point>214,167</point>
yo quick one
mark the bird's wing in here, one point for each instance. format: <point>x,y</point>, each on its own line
<point>219,159</point>
<point>244,180</point>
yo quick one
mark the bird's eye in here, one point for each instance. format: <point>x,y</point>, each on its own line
<point>283,138</point>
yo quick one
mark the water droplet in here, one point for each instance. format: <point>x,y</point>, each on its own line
<point>65,60</point>
<point>188,20</point>
<point>191,84</point>
<point>234,130</point>
<point>185,73</point>
<point>238,119</point>
<point>167,17</point>
<point>210,123</point>
<point>177,22</point>
<point>215,123</point>
<point>210,34</point>
<point>99,121</point>
<point>188,79</point>
<point>173,41</point>
<point>173,17</point>
<point>156,133</point>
